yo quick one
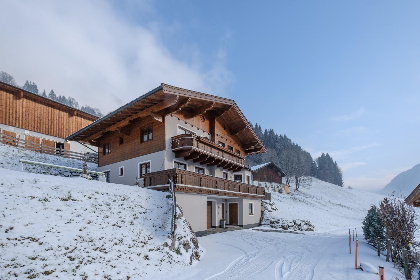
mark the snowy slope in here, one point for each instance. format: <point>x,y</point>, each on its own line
<point>10,156</point>
<point>328,207</point>
<point>404,183</point>
<point>72,227</point>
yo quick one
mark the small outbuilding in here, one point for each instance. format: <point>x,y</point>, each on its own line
<point>414,198</point>
<point>267,172</point>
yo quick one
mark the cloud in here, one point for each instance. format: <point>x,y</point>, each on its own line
<point>350,117</point>
<point>373,184</point>
<point>90,51</point>
<point>353,130</point>
<point>346,166</point>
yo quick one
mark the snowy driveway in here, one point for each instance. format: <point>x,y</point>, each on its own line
<point>250,254</point>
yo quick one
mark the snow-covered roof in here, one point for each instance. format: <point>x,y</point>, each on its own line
<point>256,167</point>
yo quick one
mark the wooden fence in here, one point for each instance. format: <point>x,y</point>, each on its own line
<point>44,149</point>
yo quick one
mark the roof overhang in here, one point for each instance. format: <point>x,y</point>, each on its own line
<point>167,99</point>
<point>414,197</point>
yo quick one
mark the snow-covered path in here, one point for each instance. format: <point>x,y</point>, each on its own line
<point>251,254</point>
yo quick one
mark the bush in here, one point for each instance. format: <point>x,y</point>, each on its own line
<point>373,227</point>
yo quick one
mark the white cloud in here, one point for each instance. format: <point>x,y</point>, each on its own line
<point>349,117</point>
<point>373,184</point>
<point>86,50</point>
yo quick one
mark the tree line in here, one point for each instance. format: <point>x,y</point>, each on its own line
<point>295,162</point>
<point>32,87</point>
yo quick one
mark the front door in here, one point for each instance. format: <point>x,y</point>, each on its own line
<point>233,213</point>
<point>209,214</point>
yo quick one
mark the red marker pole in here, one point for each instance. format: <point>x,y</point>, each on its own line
<point>357,245</point>
<point>381,273</point>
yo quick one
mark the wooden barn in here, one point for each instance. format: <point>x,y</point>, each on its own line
<point>267,172</point>
<point>39,123</point>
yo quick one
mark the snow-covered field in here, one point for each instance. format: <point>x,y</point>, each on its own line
<point>73,228</point>
<point>53,227</point>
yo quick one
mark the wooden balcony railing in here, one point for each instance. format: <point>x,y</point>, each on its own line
<point>187,181</point>
<point>204,151</point>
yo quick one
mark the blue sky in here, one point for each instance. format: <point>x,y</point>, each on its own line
<point>334,76</point>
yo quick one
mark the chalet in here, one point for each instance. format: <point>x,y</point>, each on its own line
<point>414,198</point>
<point>197,140</point>
<point>37,120</point>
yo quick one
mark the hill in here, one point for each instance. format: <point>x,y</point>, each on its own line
<point>73,228</point>
<point>404,183</point>
<point>325,205</point>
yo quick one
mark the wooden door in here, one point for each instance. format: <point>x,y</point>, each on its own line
<point>209,214</point>
<point>233,213</point>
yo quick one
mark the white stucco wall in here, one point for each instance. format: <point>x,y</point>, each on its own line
<point>131,168</point>
<point>194,207</point>
<point>251,219</point>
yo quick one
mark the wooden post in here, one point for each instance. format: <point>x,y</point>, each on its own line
<point>405,261</point>
<point>381,273</point>
<point>41,147</point>
<point>349,242</point>
<point>17,140</point>
<point>357,245</point>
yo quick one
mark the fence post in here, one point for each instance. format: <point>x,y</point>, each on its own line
<point>405,261</point>
<point>349,242</point>
<point>353,235</point>
<point>381,273</point>
<point>17,140</point>
<point>357,245</point>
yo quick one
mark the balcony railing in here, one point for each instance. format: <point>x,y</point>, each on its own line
<point>187,181</point>
<point>204,151</point>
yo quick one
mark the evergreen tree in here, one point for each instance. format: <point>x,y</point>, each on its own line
<point>44,94</point>
<point>52,95</point>
<point>30,86</point>
<point>373,227</point>
<point>92,111</point>
<point>7,78</point>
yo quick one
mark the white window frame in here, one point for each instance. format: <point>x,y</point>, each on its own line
<point>138,168</point>
<point>253,209</point>
<point>242,175</point>
<point>119,171</point>
<point>108,170</point>
<point>246,179</point>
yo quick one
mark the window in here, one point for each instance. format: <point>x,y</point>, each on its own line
<point>221,144</point>
<point>121,140</point>
<point>146,134</point>
<point>144,168</point>
<point>230,148</point>
<point>106,149</point>
<point>225,175</point>
<point>248,179</point>
<point>180,165</point>
<point>238,178</point>
<point>121,173</point>
<point>251,208</point>
<point>107,175</point>
<point>199,170</point>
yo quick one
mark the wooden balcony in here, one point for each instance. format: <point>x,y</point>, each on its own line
<point>204,151</point>
<point>191,182</point>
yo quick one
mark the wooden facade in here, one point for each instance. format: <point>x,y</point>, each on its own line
<point>414,198</point>
<point>29,111</point>
<point>131,145</point>
<point>268,173</point>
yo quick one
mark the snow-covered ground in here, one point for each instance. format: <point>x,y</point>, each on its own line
<point>72,228</point>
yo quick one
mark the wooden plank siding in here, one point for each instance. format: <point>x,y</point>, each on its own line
<point>32,112</point>
<point>132,147</point>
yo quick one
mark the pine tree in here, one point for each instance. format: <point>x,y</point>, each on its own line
<point>373,227</point>
<point>7,78</point>
<point>52,95</point>
<point>30,86</point>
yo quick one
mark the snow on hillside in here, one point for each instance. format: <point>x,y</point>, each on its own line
<point>10,156</point>
<point>328,207</point>
<point>404,183</point>
<point>75,228</point>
